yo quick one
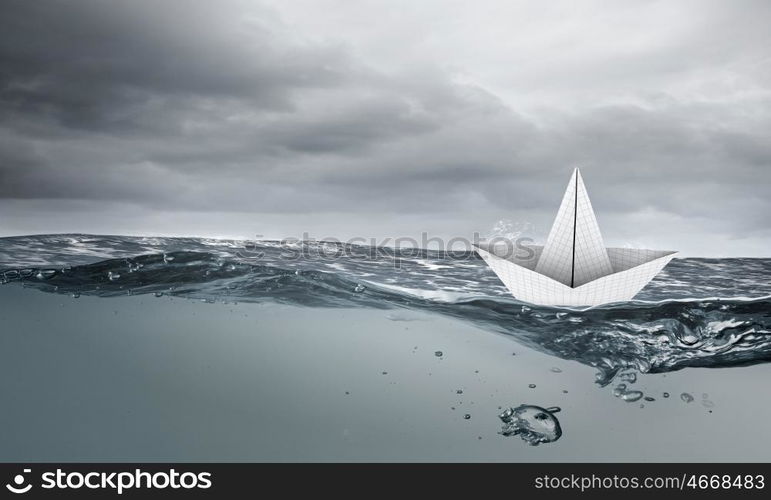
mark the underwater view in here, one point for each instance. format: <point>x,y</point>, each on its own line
<point>118,348</point>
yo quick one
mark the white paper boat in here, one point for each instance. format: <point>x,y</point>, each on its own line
<point>574,268</point>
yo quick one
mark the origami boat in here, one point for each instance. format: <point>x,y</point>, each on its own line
<point>574,268</point>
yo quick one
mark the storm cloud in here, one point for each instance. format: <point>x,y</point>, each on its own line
<point>386,118</point>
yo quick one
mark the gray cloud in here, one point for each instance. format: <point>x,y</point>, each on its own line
<point>302,109</point>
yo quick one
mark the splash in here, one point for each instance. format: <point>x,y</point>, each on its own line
<point>511,230</point>
<point>533,424</point>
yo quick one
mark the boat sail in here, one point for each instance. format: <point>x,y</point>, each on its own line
<point>574,268</point>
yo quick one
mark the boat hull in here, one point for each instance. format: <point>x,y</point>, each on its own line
<point>529,286</point>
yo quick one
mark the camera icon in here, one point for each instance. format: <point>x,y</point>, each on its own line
<point>18,483</point>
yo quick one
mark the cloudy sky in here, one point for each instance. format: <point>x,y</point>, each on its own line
<point>387,118</point>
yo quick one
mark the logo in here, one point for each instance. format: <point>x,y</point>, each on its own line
<point>18,480</point>
<point>119,481</point>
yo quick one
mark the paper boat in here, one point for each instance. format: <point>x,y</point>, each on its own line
<point>573,268</point>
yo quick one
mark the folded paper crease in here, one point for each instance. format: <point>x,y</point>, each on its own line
<point>574,268</point>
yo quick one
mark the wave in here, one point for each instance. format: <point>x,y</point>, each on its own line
<point>657,334</point>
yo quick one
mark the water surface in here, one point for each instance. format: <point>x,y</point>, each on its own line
<point>119,348</point>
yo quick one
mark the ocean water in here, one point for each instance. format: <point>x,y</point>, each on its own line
<point>129,348</point>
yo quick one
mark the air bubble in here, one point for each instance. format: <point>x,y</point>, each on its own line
<point>631,396</point>
<point>533,424</point>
